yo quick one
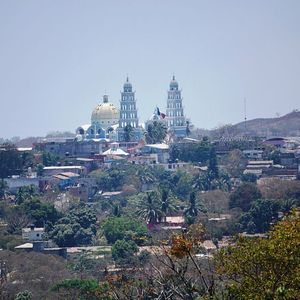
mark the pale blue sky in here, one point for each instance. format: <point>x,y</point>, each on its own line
<point>58,57</point>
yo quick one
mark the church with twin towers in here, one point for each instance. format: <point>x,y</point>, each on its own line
<point>111,123</point>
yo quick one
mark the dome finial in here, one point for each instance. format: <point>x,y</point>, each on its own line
<point>127,78</point>
<point>105,98</point>
<point>173,78</point>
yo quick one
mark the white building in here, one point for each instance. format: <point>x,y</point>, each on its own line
<point>33,233</point>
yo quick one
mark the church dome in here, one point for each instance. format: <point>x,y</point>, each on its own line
<point>105,114</point>
<point>173,84</point>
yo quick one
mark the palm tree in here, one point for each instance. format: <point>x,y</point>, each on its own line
<point>149,209</point>
<point>194,209</point>
<point>146,177</point>
<point>167,203</point>
<point>202,181</point>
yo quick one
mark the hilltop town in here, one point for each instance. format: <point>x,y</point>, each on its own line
<point>157,210</point>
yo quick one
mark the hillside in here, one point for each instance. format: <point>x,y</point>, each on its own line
<point>287,125</point>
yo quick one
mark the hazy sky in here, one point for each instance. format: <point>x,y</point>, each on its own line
<point>58,57</point>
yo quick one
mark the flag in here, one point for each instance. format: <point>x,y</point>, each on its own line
<point>162,115</point>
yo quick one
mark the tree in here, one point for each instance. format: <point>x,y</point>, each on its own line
<point>119,228</point>
<point>39,212</point>
<point>49,159</point>
<point>182,182</point>
<point>174,152</point>
<point>16,220</point>
<point>25,193</point>
<point>156,132</point>
<point>264,268</point>
<point>260,216</point>
<point>187,129</point>
<point>190,152</point>
<point>146,177</point>
<point>40,170</point>
<point>202,181</point>
<point>123,251</point>
<point>149,208</point>
<point>167,205</point>
<point>75,229</point>
<point>88,289</point>
<point>128,133</point>
<point>235,163</point>
<point>213,164</point>
<point>3,188</point>
<point>193,210</point>
<point>10,161</point>
<point>244,195</point>
<point>249,177</point>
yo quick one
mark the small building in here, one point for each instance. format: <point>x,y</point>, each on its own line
<point>174,166</point>
<point>15,182</point>
<point>253,154</point>
<point>257,167</point>
<point>111,195</point>
<point>55,170</point>
<point>162,151</point>
<point>66,179</point>
<point>151,159</point>
<point>33,233</point>
<point>115,150</point>
<point>45,247</point>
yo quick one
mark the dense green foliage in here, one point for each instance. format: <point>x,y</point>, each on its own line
<point>119,228</point>
<point>123,251</point>
<point>10,161</point>
<point>264,268</point>
<point>49,159</point>
<point>260,216</point>
<point>77,228</point>
<point>244,195</point>
<point>85,289</point>
<point>198,152</point>
<point>40,213</point>
<point>156,132</point>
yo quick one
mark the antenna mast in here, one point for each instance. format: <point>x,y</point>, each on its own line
<point>245,114</point>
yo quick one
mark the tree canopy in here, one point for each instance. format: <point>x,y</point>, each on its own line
<point>119,228</point>
<point>264,268</point>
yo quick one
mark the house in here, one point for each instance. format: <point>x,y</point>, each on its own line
<point>45,247</point>
<point>84,189</point>
<point>55,170</point>
<point>15,182</point>
<point>257,167</point>
<point>162,151</point>
<point>151,159</point>
<point>33,233</point>
<point>253,154</point>
<point>170,223</point>
<point>173,166</point>
<point>66,179</point>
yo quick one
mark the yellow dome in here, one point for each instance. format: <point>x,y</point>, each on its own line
<point>105,114</point>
